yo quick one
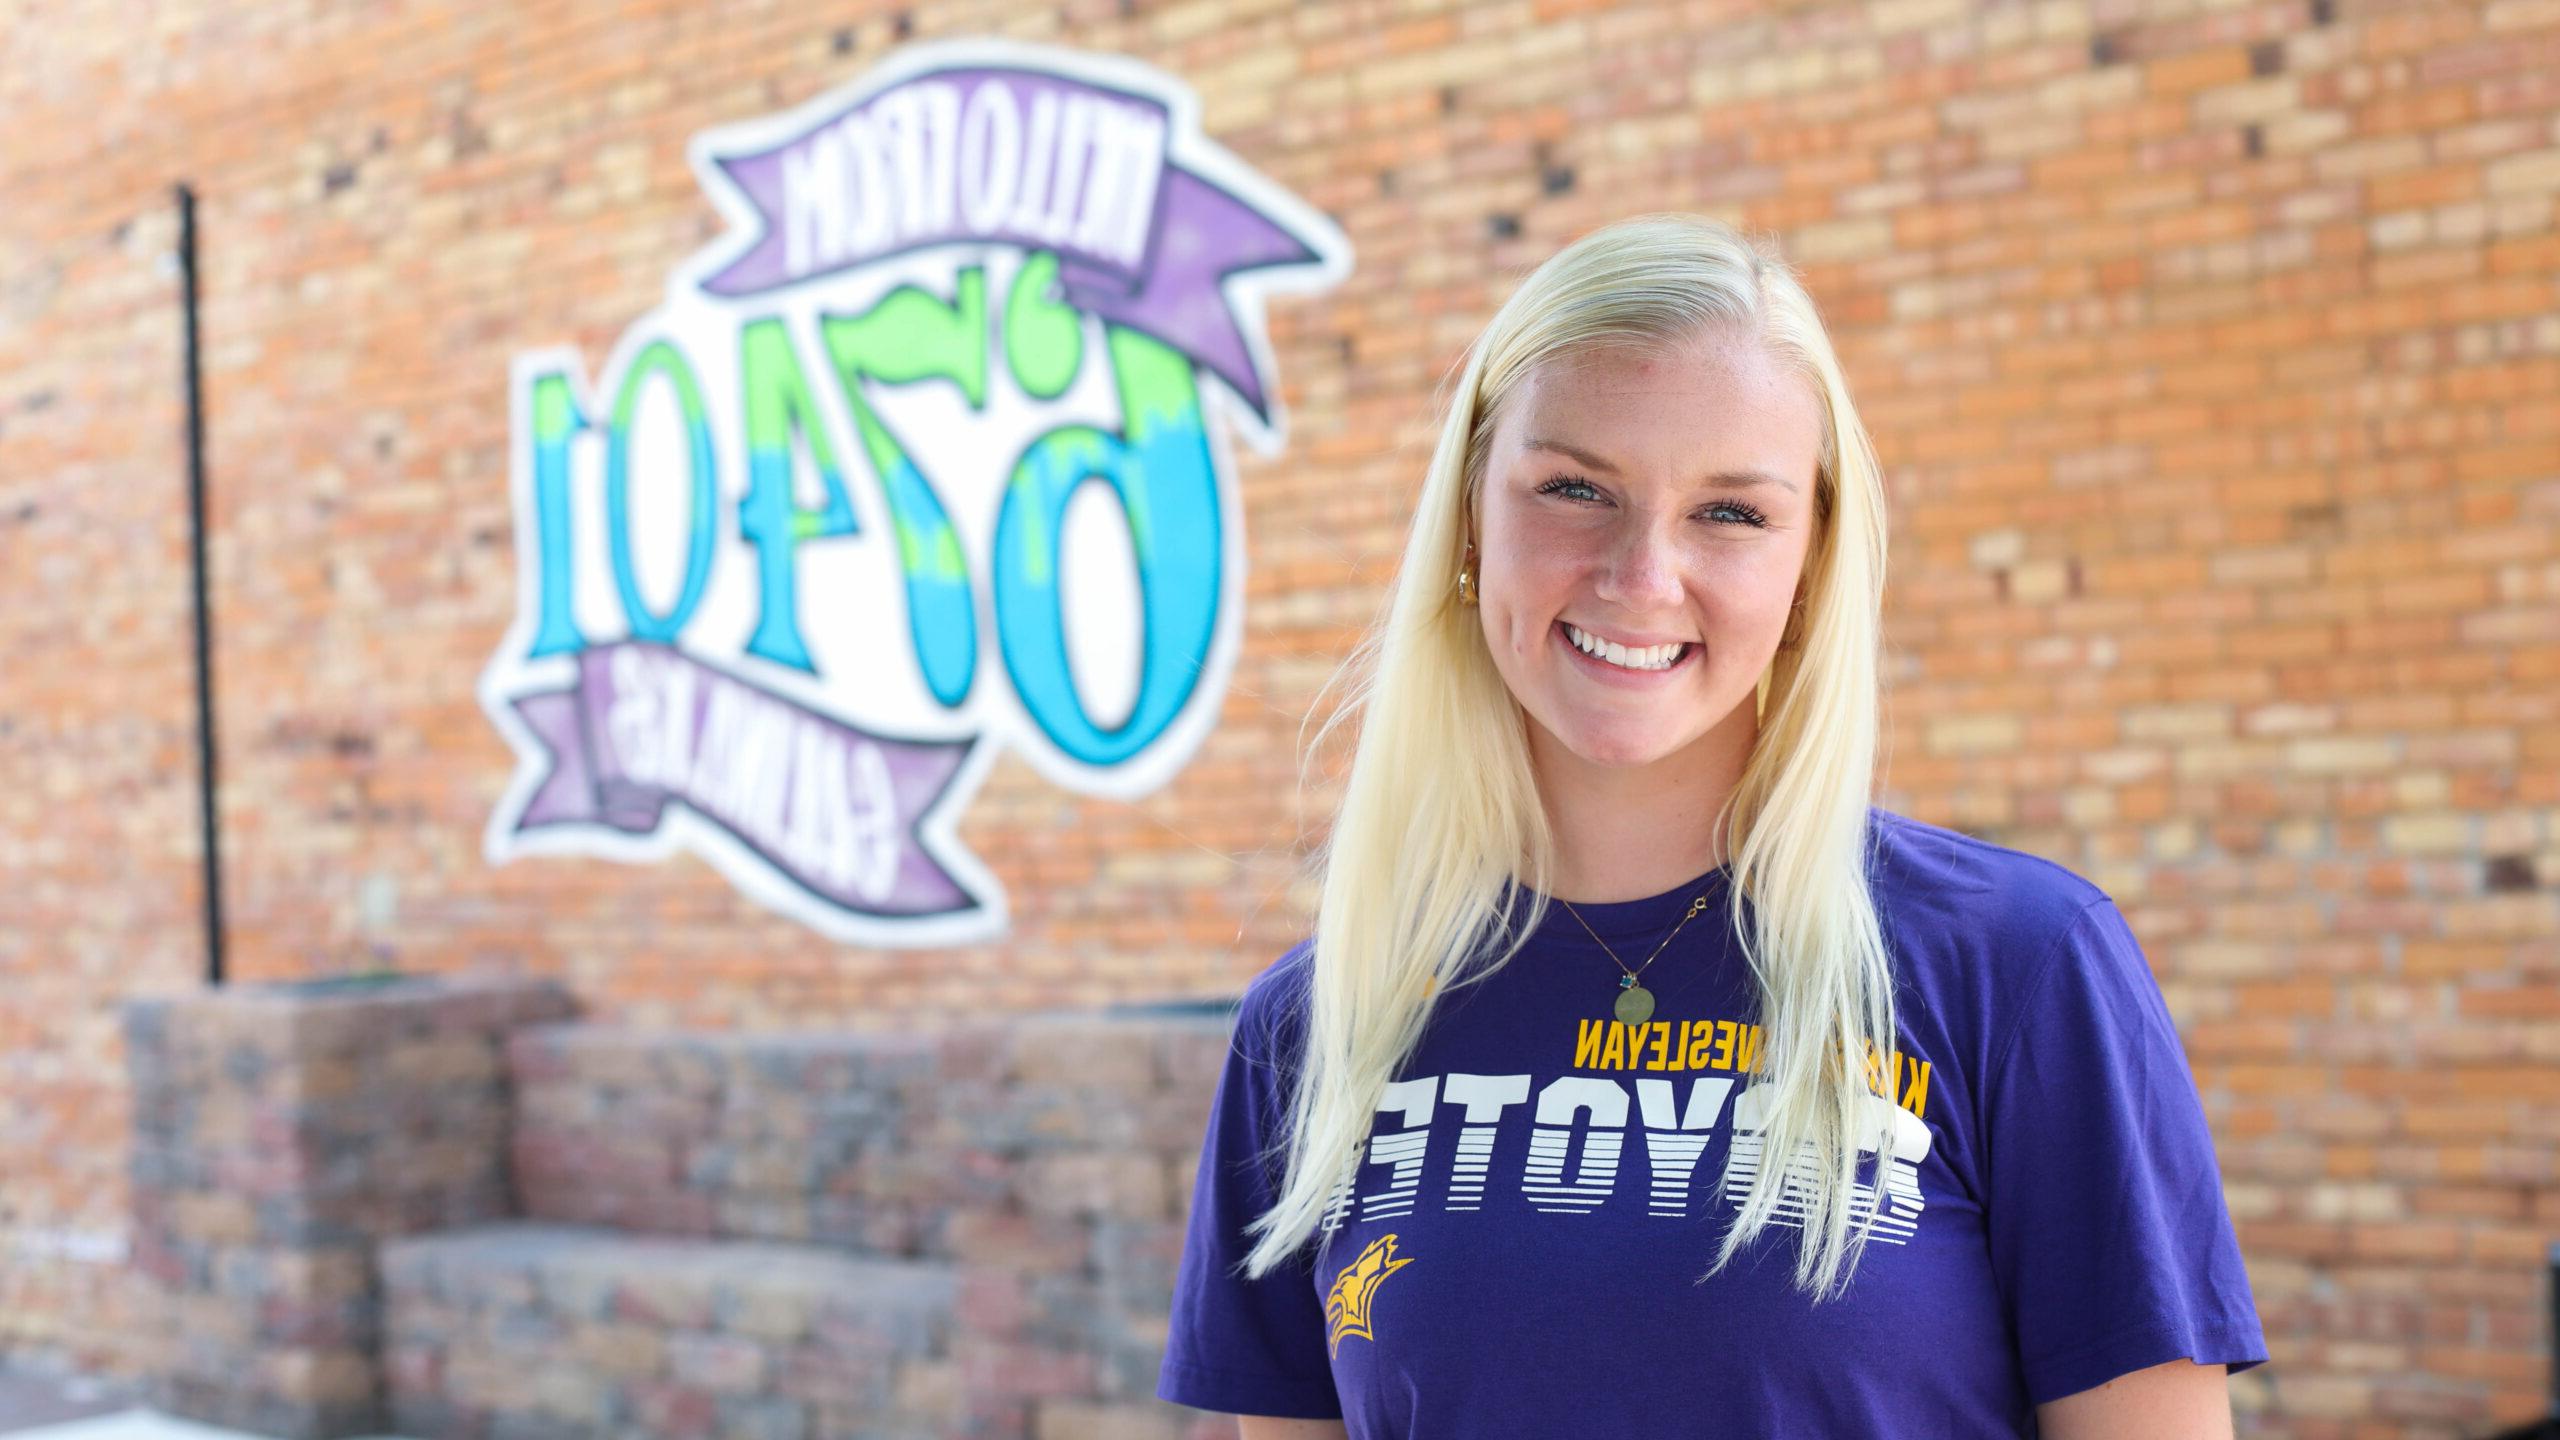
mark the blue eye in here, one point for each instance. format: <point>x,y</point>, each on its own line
<point>1561,483</point>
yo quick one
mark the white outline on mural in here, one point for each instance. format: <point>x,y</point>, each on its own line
<point>991,719</point>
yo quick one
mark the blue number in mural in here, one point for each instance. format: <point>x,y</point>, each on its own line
<point>1159,468</point>
<point>911,336</point>
<point>1163,475</point>
<point>660,358</point>
<point>556,421</point>
<point>779,406</point>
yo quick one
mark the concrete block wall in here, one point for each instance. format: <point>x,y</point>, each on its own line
<point>569,1332</point>
<point>281,1134</point>
<point>427,1203</point>
<point>1006,1137</point>
<point>1050,1158</point>
<point>815,1236</point>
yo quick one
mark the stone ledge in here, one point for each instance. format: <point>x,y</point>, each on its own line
<point>565,1330</point>
<point>458,1262</point>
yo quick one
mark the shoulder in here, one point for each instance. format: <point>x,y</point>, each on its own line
<point>1991,944</point>
<point>1974,925</point>
<point>1930,878</point>
<point>1272,1009</point>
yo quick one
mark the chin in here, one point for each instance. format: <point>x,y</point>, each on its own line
<point>1622,748</point>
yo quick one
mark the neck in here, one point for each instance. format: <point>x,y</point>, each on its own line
<point>1625,832</point>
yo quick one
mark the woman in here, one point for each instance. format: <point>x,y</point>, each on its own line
<point>1487,1158</point>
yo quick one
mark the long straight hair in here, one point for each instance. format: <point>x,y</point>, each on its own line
<point>1440,810</point>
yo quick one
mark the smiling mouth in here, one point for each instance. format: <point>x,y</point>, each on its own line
<point>1650,660</point>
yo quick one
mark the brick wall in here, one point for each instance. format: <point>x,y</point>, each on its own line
<point>2210,347</point>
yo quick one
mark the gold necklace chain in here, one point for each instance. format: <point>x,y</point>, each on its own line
<point>1635,1003</point>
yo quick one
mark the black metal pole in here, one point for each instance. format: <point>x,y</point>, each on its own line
<point>2548,1427</point>
<point>204,609</point>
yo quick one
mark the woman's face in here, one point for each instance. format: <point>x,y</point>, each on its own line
<point>1618,502</point>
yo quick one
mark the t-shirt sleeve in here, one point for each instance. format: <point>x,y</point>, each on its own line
<point>1240,1346</point>
<point>2109,1233</point>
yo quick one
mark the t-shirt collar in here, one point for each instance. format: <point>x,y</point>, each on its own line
<point>1650,916</point>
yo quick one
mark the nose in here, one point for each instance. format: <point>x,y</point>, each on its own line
<point>1642,574</point>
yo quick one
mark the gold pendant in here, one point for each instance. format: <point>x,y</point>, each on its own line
<point>1635,1005</point>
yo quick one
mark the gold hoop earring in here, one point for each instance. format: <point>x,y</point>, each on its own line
<point>1467,580</point>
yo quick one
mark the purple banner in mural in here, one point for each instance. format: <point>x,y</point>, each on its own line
<point>828,804</point>
<point>1025,158</point>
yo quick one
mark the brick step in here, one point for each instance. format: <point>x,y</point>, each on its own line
<point>533,1327</point>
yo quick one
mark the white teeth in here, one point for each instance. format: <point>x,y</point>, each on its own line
<point>1652,657</point>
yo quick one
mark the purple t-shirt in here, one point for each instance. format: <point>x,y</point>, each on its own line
<point>1516,1252</point>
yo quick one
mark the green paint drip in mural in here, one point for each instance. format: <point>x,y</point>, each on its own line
<point>933,555</point>
<point>911,336</point>
<point>1043,337</point>
<point>1160,468</point>
<point>917,521</point>
<point>1159,398</point>
<point>554,417</point>
<point>1063,459</point>
<point>1159,401</point>
<point>777,395</point>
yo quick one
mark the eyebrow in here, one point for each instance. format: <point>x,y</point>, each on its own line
<point>1722,477</point>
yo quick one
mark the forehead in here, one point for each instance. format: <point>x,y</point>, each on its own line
<point>1690,411</point>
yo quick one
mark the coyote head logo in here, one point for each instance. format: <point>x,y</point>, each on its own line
<point>1346,1308</point>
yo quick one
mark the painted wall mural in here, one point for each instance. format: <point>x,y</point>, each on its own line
<point>924,457</point>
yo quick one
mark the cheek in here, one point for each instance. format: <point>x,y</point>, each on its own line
<point>1531,593</point>
<point>1530,569</point>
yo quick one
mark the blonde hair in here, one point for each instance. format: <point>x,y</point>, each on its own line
<point>1440,805</point>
